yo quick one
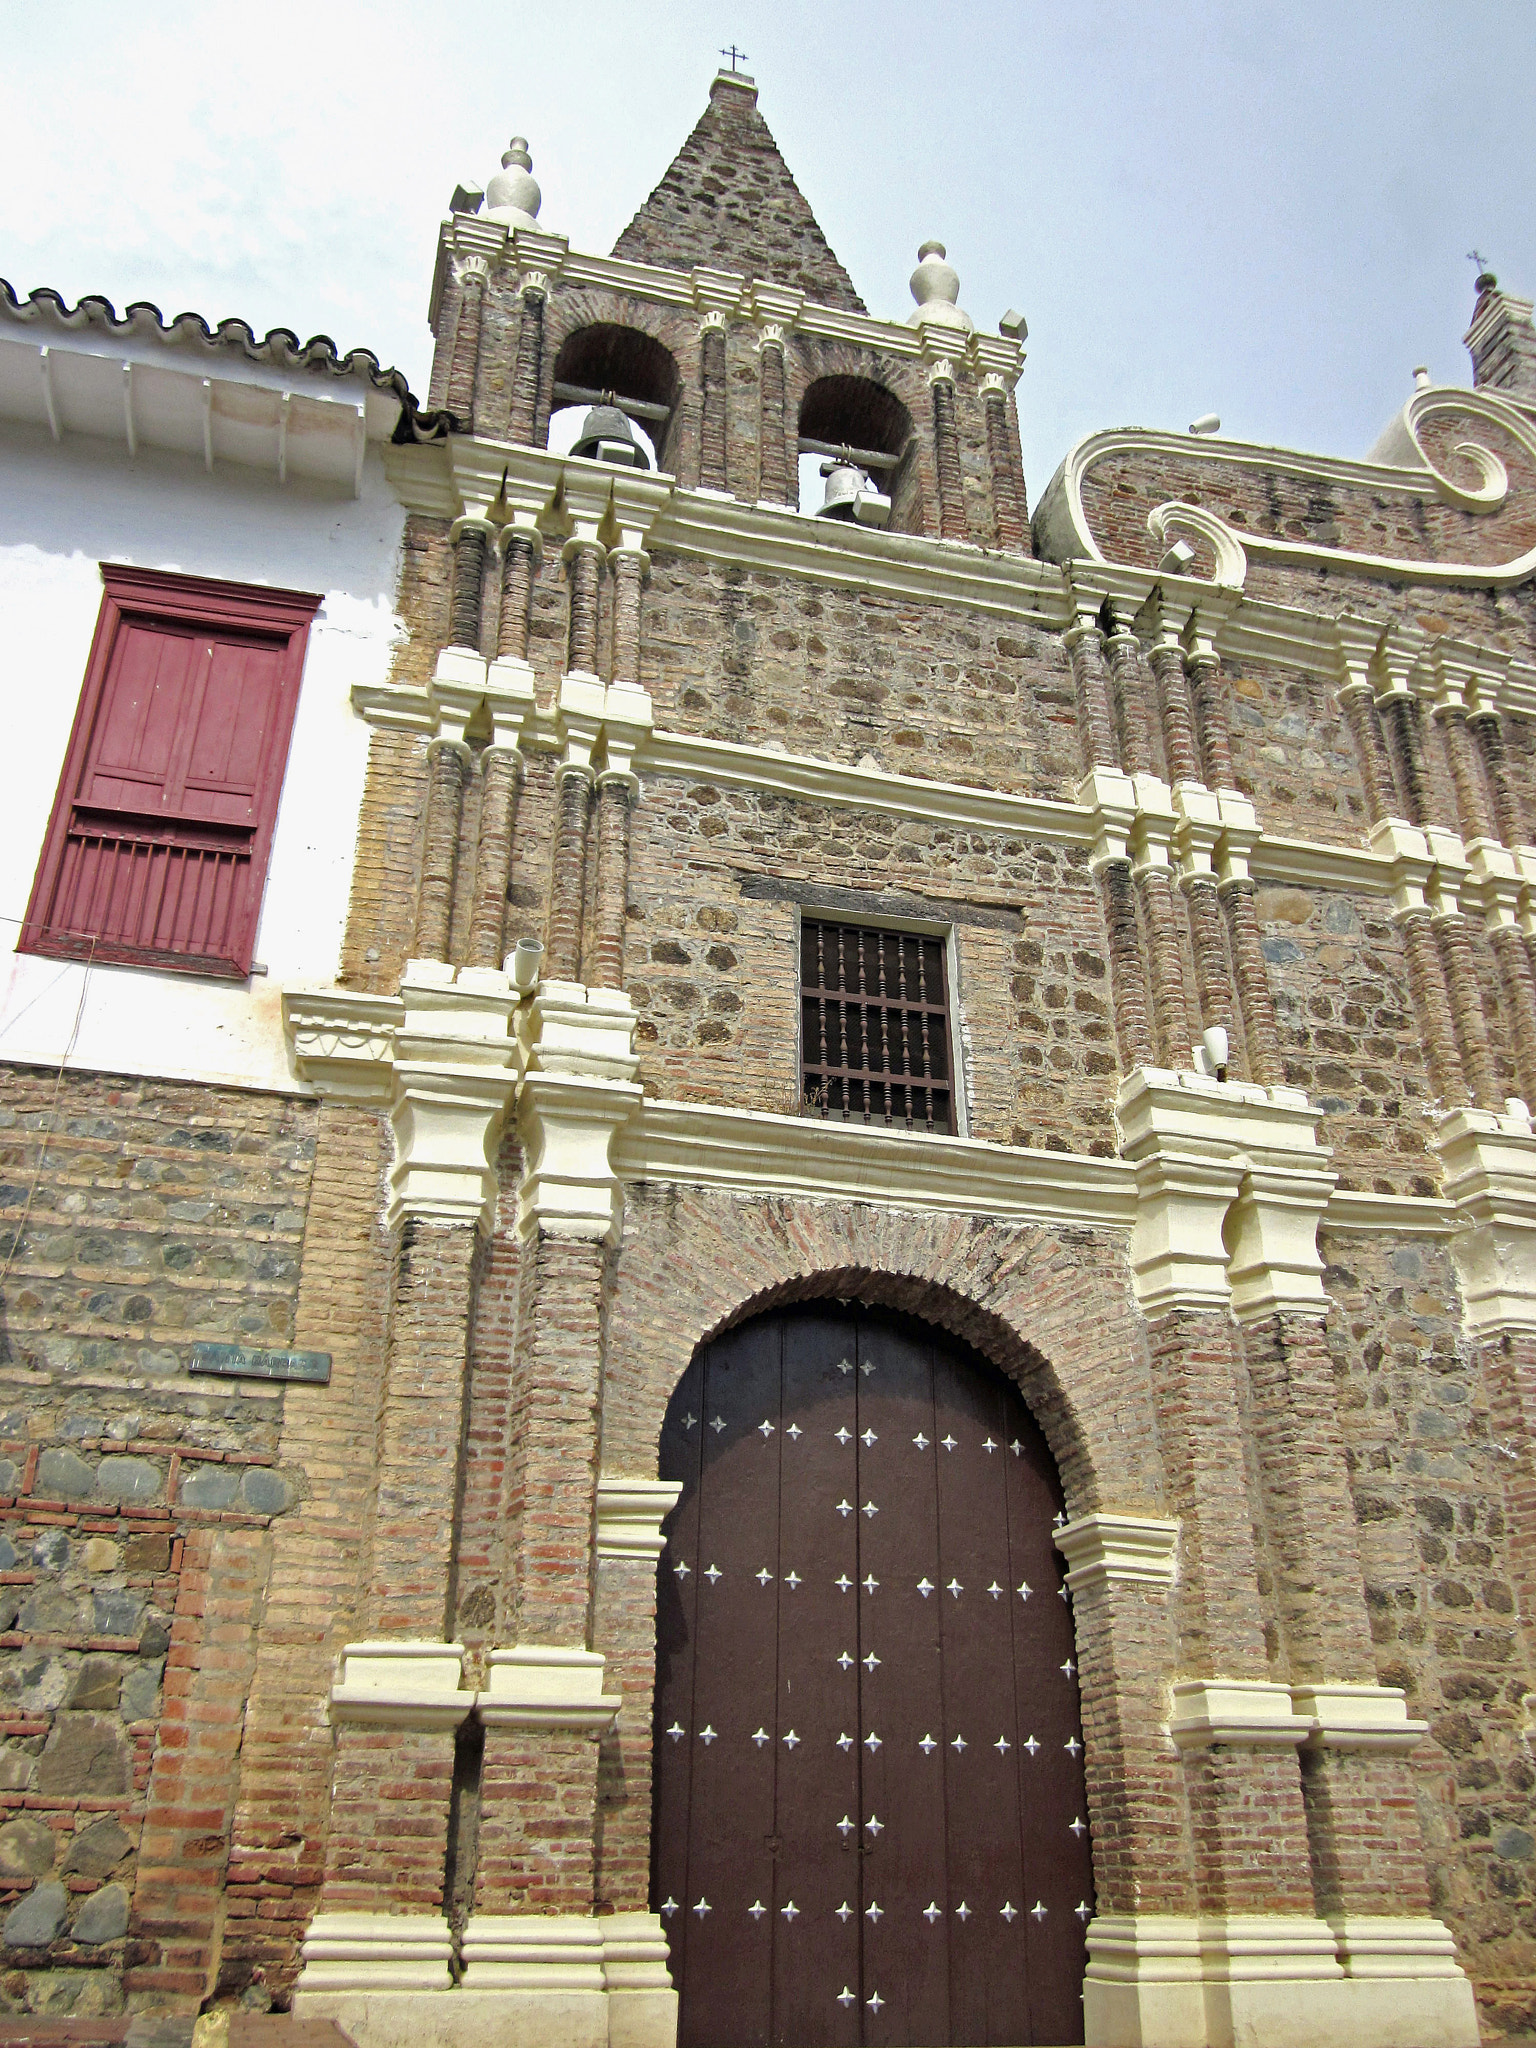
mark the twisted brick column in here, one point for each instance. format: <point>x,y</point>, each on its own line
<point>1401,719</point>
<point>448,763</point>
<point>1131,697</point>
<point>615,795</point>
<point>1177,715</point>
<point>946,461</point>
<point>501,774</point>
<point>1471,798</point>
<point>442,354</point>
<point>1009,516</point>
<point>584,570</point>
<point>1210,707</point>
<point>528,369</point>
<point>473,276</point>
<point>628,567</point>
<point>1426,979</point>
<point>772,446</point>
<point>1127,976</point>
<point>1513,955</point>
<point>1261,1030</point>
<point>1453,936</point>
<point>1489,734</point>
<point>712,429</point>
<point>568,883</point>
<point>1095,725</point>
<point>1213,979</point>
<point>1370,751</point>
<point>1170,1006</point>
<point>469,539</point>
<point>517,566</point>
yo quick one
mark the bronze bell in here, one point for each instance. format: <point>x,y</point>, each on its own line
<point>844,483</point>
<point>607,436</point>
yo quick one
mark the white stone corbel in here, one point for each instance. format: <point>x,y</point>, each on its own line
<point>630,1513</point>
<point>1151,841</point>
<point>774,306</point>
<point>539,257</point>
<point>1251,1713</point>
<point>1398,655</point>
<point>1111,796</point>
<point>1449,874</point>
<point>1197,831</point>
<point>578,1092</point>
<point>540,1685</point>
<point>579,710</point>
<point>456,1068</point>
<point>343,1042</point>
<point>401,1684</point>
<point>1106,1549</point>
<point>719,295</point>
<point>1238,837</point>
<point>1231,1187</point>
<point>1373,1717</point>
<point>1407,850</point>
<point>1489,1167</point>
<point>996,360</point>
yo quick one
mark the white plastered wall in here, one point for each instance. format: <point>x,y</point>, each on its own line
<point>64,509</point>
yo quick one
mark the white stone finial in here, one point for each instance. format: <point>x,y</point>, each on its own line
<point>513,194</point>
<point>936,288</point>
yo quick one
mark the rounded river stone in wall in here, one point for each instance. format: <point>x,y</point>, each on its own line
<point>268,1493</point>
<point>38,1918</point>
<point>128,1478</point>
<point>61,1475</point>
<point>103,1917</point>
<point>97,1850</point>
<point>215,1486</point>
<point>26,1849</point>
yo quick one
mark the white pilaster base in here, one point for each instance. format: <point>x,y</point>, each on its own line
<point>1274,1981</point>
<point>358,1954</point>
<point>642,2006</point>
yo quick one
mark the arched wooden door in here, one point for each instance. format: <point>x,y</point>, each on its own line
<point>870,1824</point>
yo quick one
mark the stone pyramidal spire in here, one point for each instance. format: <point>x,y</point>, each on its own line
<point>729,202</point>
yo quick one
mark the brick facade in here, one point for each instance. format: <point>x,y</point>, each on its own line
<point>307,1682</point>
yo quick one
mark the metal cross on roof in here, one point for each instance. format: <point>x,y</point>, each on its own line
<point>733,53</point>
<point>1476,256</point>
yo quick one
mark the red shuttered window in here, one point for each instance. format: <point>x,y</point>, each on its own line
<point>157,849</point>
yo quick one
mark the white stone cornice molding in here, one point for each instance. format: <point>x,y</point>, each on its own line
<point>627,725</point>
<point>1355,645</point>
<point>774,305</point>
<point>630,1513</point>
<point>1156,820</point>
<point>343,1042</point>
<point>1373,1717</point>
<point>1231,1188</point>
<point>1249,1713</point>
<point>754,1152</point>
<point>1106,1549</point>
<point>996,360</point>
<point>544,1685</point>
<point>1494,882</point>
<point>1399,655</point>
<point>464,682</point>
<point>539,256</point>
<point>1449,874</point>
<point>718,294</point>
<point>1197,830</point>
<point>1238,839</point>
<point>351,1957</point>
<point>401,1684</point>
<point>1489,1169</point>
<point>396,707</point>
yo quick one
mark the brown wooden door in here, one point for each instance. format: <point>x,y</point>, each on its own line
<point>870,1823</point>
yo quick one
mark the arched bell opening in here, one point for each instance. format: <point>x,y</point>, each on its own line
<point>856,442</point>
<point>630,380</point>
<point>869,1810</point>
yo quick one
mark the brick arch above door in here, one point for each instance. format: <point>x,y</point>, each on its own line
<point>1052,1308</point>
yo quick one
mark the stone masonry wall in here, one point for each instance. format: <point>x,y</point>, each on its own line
<point>135,1505</point>
<point>712,966</point>
<point>1428,1476</point>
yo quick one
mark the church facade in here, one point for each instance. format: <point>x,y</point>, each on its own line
<point>864,1368</point>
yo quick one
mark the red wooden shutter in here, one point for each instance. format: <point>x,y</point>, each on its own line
<point>157,851</point>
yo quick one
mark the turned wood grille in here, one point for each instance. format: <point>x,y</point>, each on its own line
<point>874,1027</point>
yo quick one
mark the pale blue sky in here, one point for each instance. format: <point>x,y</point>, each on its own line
<point>1199,205</point>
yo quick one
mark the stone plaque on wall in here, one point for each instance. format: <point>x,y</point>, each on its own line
<point>242,1362</point>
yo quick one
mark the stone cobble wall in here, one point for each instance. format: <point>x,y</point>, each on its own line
<point>1292,754</point>
<point>135,1501</point>
<point>1428,1476</point>
<point>712,969</point>
<point>1349,1034</point>
<point>929,690</point>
